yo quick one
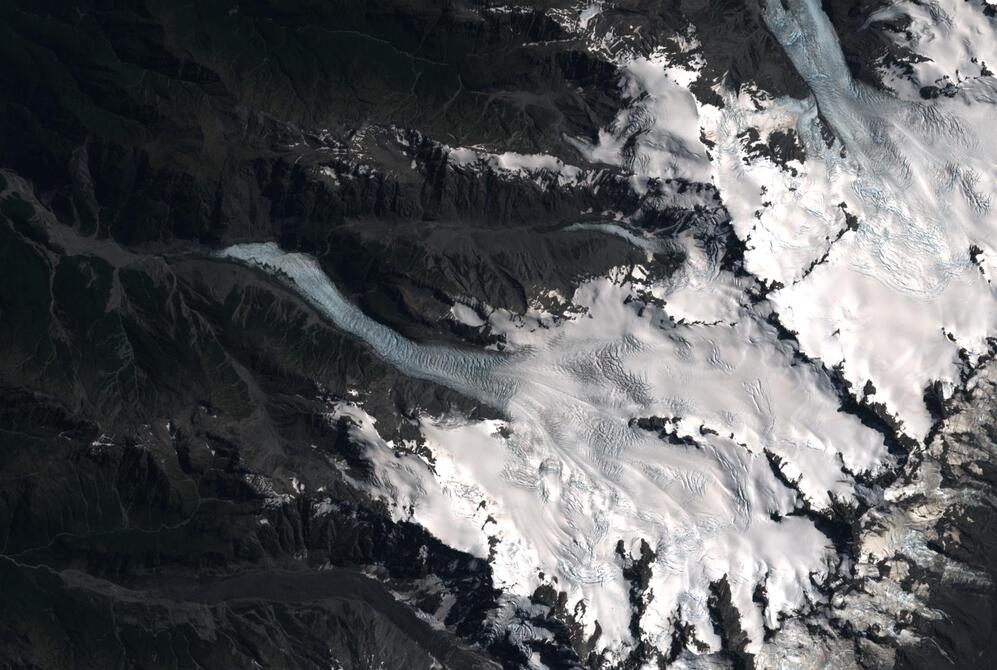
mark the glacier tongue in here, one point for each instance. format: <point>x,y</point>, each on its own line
<point>692,425</point>
<point>464,371</point>
<point>897,297</point>
<point>573,472</point>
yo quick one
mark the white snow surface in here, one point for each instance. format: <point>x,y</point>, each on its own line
<point>663,116</point>
<point>955,39</point>
<point>894,300</point>
<point>571,474</point>
<point>533,166</point>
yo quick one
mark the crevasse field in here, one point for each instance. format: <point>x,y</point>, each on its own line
<point>688,422</point>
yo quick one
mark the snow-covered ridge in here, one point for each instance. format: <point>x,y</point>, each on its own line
<point>692,425</point>
<point>898,296</point>
<point>954,40</point>
<point>661,121</point>
<point>880,236</point>
<point>524,165</point>
<point>573,472</point>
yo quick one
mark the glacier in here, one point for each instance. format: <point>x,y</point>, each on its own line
<point>572,473</point>
<point>894,298</point>
<point>689,421</point>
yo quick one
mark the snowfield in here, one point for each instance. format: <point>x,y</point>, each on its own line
<point>686,420</point>
<point>572,473</point>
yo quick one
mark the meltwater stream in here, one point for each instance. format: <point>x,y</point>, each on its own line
<point>574,474</point>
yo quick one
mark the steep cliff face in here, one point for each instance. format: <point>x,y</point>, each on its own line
<point>546,334</point>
